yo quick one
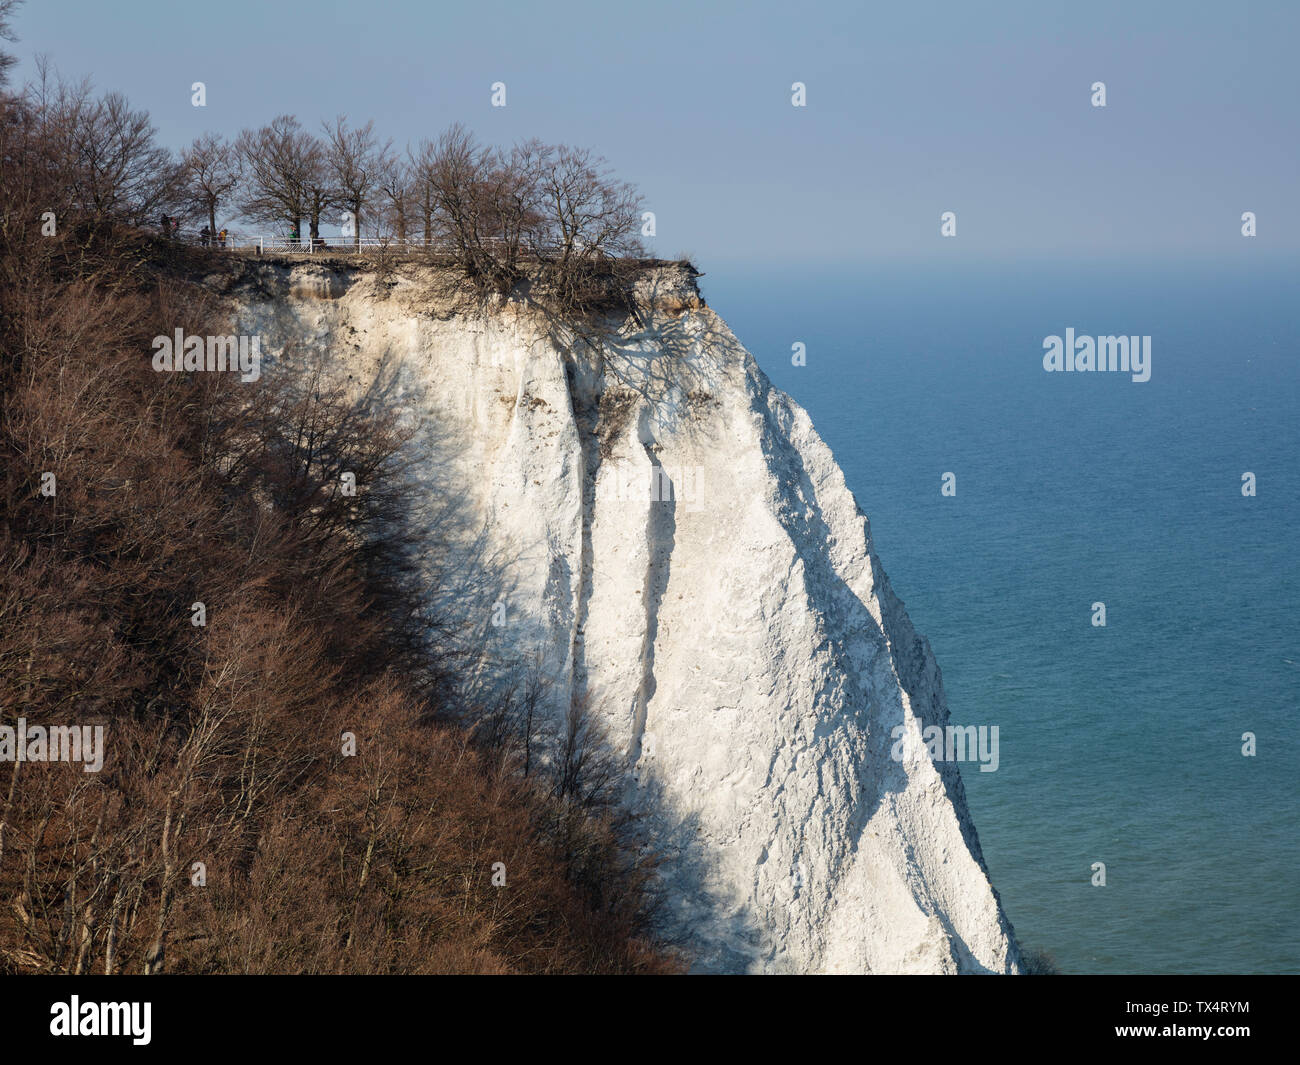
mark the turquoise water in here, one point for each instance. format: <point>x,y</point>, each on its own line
<point>1120,744</point>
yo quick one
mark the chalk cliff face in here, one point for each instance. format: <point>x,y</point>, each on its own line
<point>685,557</point>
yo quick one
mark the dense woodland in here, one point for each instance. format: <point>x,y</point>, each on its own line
<point>230,829</point>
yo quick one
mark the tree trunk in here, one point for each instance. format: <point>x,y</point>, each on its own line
<point>156,957</point>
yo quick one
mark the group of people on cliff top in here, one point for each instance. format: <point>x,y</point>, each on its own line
<point>171,229</point>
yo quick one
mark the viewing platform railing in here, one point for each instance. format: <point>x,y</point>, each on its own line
<point>345,245</point>
<point>260,244</point>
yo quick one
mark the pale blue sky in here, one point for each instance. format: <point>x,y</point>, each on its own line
<point>913,109</point>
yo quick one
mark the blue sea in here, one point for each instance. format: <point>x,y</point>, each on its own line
<point>1119,744</point>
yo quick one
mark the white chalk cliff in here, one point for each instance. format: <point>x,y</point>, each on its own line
<point>739,640</point>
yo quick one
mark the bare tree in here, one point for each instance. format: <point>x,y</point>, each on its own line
<point>356,162</point>
<point>284,164</point>
<point>106,155</point>
<point>422,166</point>
<point>212,171</point>
<point>482,202</point>
<point>397,187</point>
<point>588,214</point>
<point>554,204</point>
<point>509,207</point>
<point>320,194</point>
<point>455,167</point>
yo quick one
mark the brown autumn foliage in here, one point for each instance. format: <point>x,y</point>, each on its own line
<point>224,742</point>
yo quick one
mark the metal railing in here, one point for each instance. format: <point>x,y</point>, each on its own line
<point>353,245</point>
<point>262,243</point>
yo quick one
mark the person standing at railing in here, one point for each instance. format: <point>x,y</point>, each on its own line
<point>205,235</point>
<point>221,237</point>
